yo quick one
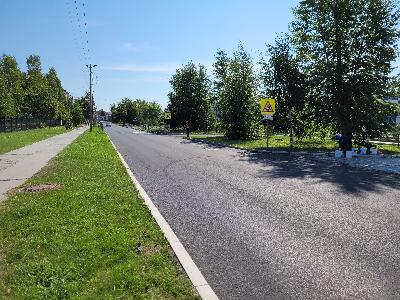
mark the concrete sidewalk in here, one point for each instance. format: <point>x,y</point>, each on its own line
<point>19,165</point>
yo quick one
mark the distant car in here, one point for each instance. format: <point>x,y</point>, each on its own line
<point>108,124</point>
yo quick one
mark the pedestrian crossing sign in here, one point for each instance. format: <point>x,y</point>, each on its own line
<point>267,106</point>
<point>167,115</point>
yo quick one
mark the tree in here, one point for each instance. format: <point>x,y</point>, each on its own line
<point>151,113</point>
<point>102,113</point>
<point>346,48</point>
<point>84,102</point>
<point>283,81</point>
<point>394,87</point>
<point>7,105</point>
<point>13,92</point>
<point>239,106</point>
<point>77,116</point>
<point>220,71</point>
<point>56,94</point>
<point>396,134</point>
<point>136,112</point>
<point>189,100</point>
<point>32,94</point>
<point>39,102</point>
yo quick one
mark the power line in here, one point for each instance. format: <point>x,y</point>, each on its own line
<point>77,11</point>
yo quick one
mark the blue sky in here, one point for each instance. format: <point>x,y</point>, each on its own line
<point>137,45</point>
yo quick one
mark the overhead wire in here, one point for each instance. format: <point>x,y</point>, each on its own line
<point>77,11</point>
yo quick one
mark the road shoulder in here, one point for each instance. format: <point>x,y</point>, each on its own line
<point>193,272</point>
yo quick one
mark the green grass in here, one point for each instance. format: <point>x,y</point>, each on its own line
<point>278,142</point>
<point>13,140</point>
<point>93,238</point>
<point>389,149</point>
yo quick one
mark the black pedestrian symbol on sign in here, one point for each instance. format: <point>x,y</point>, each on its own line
<point>268,107</point>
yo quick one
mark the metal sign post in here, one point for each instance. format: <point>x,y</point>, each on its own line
<point>267,109</point>
<point>167,118</point>
<point>266,123</point>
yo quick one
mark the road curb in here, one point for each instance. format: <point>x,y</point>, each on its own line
<point>193,272</point>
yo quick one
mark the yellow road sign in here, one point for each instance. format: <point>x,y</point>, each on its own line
<point>167,115</point>
<point>267,106</point>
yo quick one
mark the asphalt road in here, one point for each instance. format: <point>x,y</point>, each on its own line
<point>273,227</point>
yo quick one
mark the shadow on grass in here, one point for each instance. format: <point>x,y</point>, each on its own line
<point>350,180</point>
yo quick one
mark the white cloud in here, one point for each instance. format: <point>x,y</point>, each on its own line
<point>129,47</point>
<point>166,68</point>
<point>160,68</point>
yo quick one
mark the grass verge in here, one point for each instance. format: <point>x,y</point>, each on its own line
<point>389,149</point>
<point>13,140</point>
<point>275,142</point>
<point>91,238</point>
<point>282,143</point>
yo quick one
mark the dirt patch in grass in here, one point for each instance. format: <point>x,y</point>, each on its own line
<point>148,250</point>
<point>41,187</point>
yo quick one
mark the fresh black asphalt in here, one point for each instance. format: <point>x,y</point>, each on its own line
<point>265,226</point>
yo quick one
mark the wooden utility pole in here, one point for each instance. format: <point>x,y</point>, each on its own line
<point>91,95</point>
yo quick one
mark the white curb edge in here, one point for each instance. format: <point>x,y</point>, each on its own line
<point>195,275</point>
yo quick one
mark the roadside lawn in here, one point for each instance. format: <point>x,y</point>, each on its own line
<point>278,142</point>
<point>13,140</point>
<point>91,237</point>
<point>389,149</point>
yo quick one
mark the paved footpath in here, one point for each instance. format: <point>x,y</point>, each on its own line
<point>19,165</point>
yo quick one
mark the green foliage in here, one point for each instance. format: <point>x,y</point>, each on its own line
<point>220,71</point>
<point>396,133</point>
<point>283,81</point>
<point>32,94</point>
<point>77,116</point>
<point>136,112</point>
<point>102,113</point>
<point>236,87</point>
<point>11,91</point>
<point>393,87</point>
<point>84,102</point>
<point>56,94</point>
<point>189,100</point>
<point>7,105</point>
<point>40,98</point>
<point>346,49</point>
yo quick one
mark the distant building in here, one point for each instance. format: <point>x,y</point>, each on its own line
<point>397,101</point>
<point>103,115</point>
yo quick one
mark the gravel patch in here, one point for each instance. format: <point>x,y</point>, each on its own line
<point>384,163</point>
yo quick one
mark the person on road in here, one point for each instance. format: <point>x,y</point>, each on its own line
<point>187,128</point>
<point>344,142</point>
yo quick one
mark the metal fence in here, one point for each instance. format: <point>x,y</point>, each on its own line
<point>18,124</point>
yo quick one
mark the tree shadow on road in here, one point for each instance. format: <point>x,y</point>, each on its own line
<point>348,179</point>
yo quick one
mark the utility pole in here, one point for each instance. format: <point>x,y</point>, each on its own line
<point>91,94</point>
